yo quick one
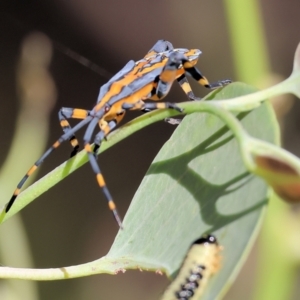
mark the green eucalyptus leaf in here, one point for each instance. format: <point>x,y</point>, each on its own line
<point>198,184</point>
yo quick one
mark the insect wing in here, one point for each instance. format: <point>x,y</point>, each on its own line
<point>106,87</point>
<point>137,84</point>
<point>145,79</point>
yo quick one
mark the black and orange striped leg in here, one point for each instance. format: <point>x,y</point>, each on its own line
<point>71,113</point>
<point>196,74</point>
<point>152,106</point>
<point>30,172</point>
<point>167,76</point>
<point>163,86</point>
<point>63,138</point>
<point>166,80</point>
<point>106,128</point>
<point>93,161</point>
<point>102,183</point>
<point>185,85</point>
<point>163,83</point>
<point>140,105</point>
<point>101,135</point>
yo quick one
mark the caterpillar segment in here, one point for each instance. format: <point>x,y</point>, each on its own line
<point>200,264</point>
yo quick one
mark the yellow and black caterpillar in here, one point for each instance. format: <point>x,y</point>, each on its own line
<point>201,262</point>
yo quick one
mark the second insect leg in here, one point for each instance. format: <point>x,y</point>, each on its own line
<point>71,113</point>
<point>106,127</point>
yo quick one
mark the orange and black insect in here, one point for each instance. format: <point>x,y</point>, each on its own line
<point>201,262</point>
<point>147,79</point>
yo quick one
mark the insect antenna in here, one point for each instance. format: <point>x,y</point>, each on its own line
<point>81,60</point>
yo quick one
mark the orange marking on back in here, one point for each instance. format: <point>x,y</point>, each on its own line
<point>132,99</point>
<point>117,86</point>
<point>115,89</point>
<point>150,54</point>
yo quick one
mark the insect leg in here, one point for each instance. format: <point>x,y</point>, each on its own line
<point>185,85</point>
<point>71,113</point>
<point>106,128</point>
<point>165,82</point>
<point>63,138</point>
<point>196,74</point>
<point>146,107</point>
<point>167,76</point>
<point>93,161</point>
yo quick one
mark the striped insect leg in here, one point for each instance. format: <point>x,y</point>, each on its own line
<point>106,128</point>
<point>185,85</point>
<point>140,105</point>
<point>164,84</point>
<point>196,74</point>
<point>102,184</point>
<point>167,76</point>
<point>30,172</point>
<point>71,113</point>
<point>93,161</point>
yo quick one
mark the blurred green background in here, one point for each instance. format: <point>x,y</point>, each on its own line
<point>110,33</point>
